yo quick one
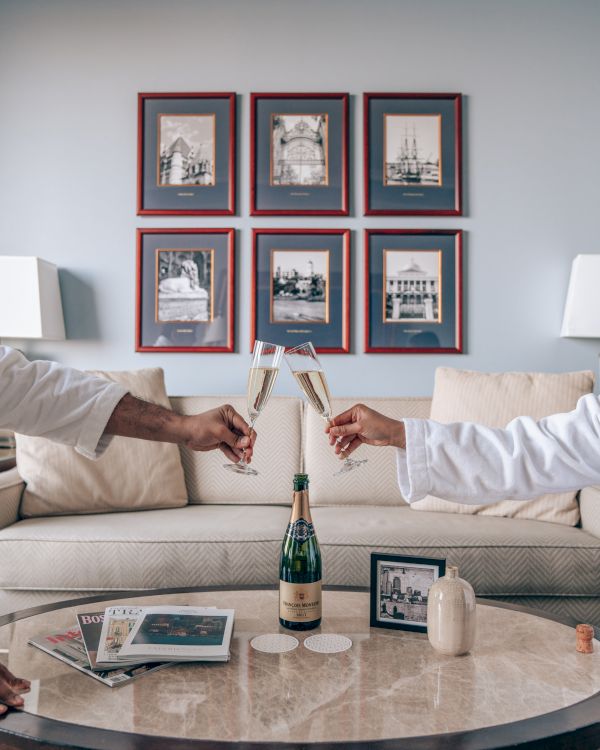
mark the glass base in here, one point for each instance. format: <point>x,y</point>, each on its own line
<point>241,469</point>
<point>349,465</point>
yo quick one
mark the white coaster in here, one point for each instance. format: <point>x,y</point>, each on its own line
<point>328,643</point>
<point>274,643</point>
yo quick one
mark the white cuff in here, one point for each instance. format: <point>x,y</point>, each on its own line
<point>413,472</point>
<point>92,441</point>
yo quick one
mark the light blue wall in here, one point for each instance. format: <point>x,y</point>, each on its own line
<point>69,74</point>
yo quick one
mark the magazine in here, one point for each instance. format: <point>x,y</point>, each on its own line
<point>180,634</point>
<point>116,626</point>
<point>90,625</point>
<point>68,646</point>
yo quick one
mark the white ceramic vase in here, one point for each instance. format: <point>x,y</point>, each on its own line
<point>451,614</point>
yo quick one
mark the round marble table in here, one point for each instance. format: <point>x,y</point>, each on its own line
<point>522,683</point>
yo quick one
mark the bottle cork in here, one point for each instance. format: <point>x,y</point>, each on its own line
<point>584,635</point>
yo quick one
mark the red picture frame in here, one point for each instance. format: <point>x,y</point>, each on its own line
<point>228,306</point>
<point>341,159</point>
<point>229,148</point>
<point>454,125</point>
<point>454,266</point>
<point>343,296</point>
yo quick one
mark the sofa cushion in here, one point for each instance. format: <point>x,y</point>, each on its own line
<point>277,456</point>
<point>131,474</point>
<point>202,545</point>
<point>494,399</point>
<point>374,483</point>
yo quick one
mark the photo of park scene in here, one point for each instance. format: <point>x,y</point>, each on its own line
<point>300,286</point>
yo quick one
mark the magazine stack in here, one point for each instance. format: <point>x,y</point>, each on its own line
<point>121,643</point>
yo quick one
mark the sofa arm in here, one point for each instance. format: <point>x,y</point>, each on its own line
<point>589,506</point>
<point>11,489</point>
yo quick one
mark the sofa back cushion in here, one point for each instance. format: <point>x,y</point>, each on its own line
<point>277,456</point>
<point>494,399</point>
<point>131,474</point>
<point>373,483</point>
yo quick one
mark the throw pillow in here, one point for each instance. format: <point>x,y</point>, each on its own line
<point>495,399</point>
<point>132,474</point>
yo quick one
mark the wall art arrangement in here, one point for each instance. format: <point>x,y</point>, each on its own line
<point>413,291</point>
<point>299,166</point>
<point>186,154</point>
<point>301,288</point>
<point>185,290</point>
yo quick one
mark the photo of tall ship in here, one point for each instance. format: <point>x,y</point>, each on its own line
<point>412,153</point>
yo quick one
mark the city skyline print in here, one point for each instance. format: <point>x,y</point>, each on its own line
<point>400,590</point>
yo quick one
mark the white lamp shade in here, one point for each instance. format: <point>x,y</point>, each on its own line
<point>30,304</point>
<point>582,308</point>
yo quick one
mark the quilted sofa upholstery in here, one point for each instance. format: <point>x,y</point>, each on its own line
<point>231,530</point>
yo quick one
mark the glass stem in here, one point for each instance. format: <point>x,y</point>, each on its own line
<point>338,440</point>
<point>242,461</point>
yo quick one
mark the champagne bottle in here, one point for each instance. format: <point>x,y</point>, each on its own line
<point>300,566</point>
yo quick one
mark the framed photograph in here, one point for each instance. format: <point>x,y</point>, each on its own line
<point>412,154</point>
<point>186,154</point>
<point>413,291</point>
<point>301,288</point>
<point>400,588</point>
<point>299,154</point>
<point>185,290</point>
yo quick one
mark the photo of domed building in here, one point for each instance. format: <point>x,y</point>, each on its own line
<point>299,150</point>
<point>412,280</point>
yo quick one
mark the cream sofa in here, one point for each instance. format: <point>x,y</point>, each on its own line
<point>231,530</point>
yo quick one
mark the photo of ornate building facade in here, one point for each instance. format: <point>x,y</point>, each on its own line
<point>299,150</point>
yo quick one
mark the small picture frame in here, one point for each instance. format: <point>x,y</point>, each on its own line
<point>186,154</point>
<point>412,154</point>
<point>301,288</point>
<point>299,154</point>
<point>413,291</point>
<point>400,588</point>
<point>185,290</point>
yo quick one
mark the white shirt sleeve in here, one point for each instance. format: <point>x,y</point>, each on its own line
<point>48,400</point>
<point>472,464</point>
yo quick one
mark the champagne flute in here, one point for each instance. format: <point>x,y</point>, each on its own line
<point>261,379</point>
<point>310,376</point>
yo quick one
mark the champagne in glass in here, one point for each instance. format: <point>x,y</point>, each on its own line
<point>310,376</point>
<point>261,379</point>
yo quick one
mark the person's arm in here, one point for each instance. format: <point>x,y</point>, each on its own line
<point>45,399</point>
<point>221,428</point>
<point>472,464</point>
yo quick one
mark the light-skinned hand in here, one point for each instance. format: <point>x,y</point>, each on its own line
<point>359,425</point>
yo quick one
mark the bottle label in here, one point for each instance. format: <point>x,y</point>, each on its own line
<point>300,602</point>
<point>300,530</point>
